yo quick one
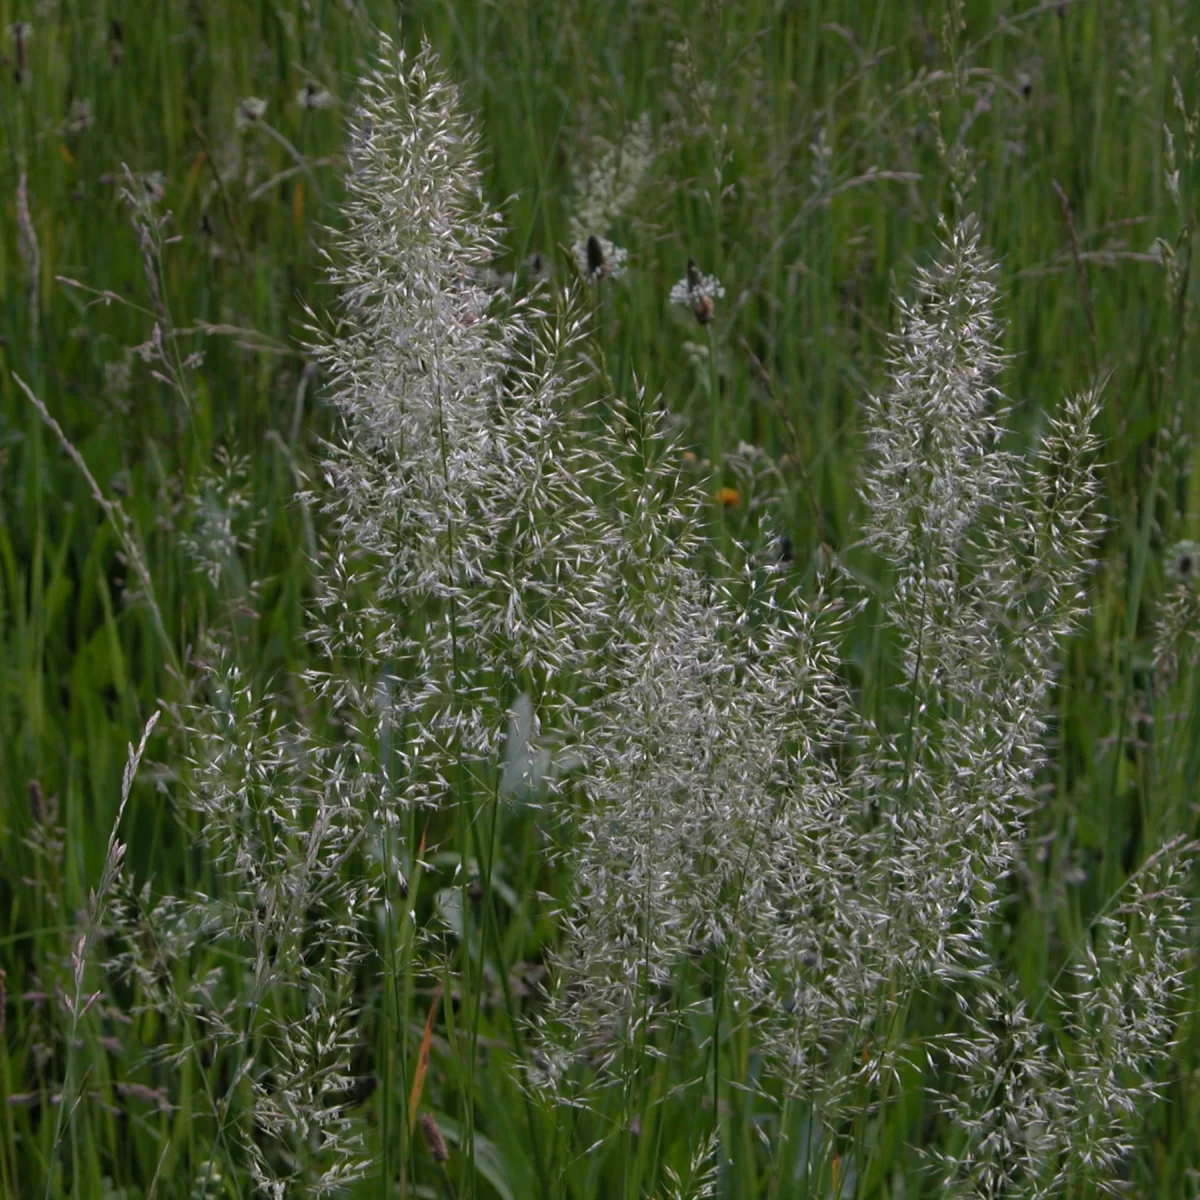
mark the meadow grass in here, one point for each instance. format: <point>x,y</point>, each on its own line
<point>803,154</point>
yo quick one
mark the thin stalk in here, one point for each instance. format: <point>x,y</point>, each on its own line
<point>518,1042</point>
<point>716,447</point>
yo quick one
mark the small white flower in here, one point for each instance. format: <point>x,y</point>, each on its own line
<point>1183,562</point>
<point>698,292</point>
<point>154,184</point>
<point>311,97</point>
<point>597,258</point>
<point>249,111</point>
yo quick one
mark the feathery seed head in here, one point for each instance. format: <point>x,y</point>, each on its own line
<point>738,809</point>
<point>458,489</point>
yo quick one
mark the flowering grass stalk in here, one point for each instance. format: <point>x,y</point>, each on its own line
<point>456,496</point>
<point>255,974</point>
<point>823,870</point>
<point>99,900</point>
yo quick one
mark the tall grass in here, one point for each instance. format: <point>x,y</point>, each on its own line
<point>609,746</point>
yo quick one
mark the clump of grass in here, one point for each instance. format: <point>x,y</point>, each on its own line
<point>762,878</point>
<point>452,490</point>
<point>1052,1097</point>
<point>743,822</point>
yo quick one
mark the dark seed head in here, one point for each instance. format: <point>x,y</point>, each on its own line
<point>20,40</point>
<point>433,1139</point>
<point>116,44</point>
<point>595,256</point>
<point>1183,562</point>
<point>37,803</point>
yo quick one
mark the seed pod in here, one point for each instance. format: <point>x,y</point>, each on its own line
<point>434,1141</point>
<point>595,257</point>
<point>37,803</point>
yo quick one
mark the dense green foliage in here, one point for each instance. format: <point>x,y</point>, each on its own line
<point>806,153</point>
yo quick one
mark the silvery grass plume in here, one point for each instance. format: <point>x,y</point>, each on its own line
<point>989,555</point>
<point>452,560</point>
<point>715,830</point>
<point>101,903</point>
<point>455,488</point>
<point>748,839</point>
<point>1177,627</point>
<point>254,976</point>
<point>251,975</point>
<point>1036,1112</point>
<point>702,1178</point>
